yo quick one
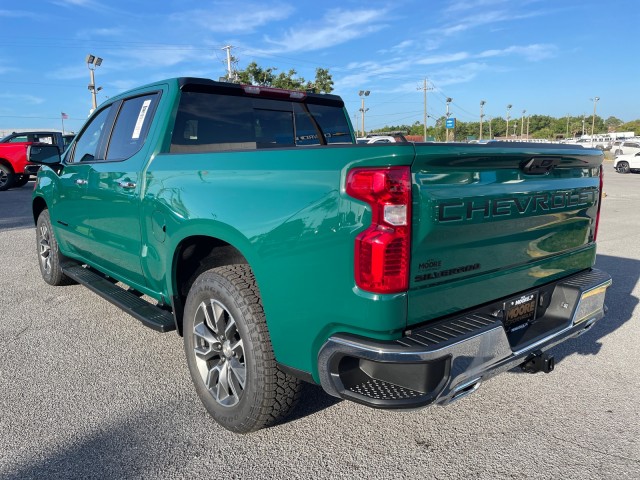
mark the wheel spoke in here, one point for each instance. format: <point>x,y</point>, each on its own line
<point>238,348</point>
<point>231,329</point>
<point>223,384</point>
<point>201,331</point>
<point>238,372</point>
<point>213,376</point>
<point>219,314</point>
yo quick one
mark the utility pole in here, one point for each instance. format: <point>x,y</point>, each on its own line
<point>424,88</point>
<point>583,119</point>
<point>362,94</point>
<point>490,134</point>
<point>508,110</point>
<point>229,74</point>
<point>567,126</point>
<point>528,118</point>
<point>593,120</point>
<point>449,100</point>
<point>482,102</point>
<point>522,125</point>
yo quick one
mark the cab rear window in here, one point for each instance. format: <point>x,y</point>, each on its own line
<point>208,122</point>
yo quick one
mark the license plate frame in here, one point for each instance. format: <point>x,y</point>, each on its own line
<point>517,312</point>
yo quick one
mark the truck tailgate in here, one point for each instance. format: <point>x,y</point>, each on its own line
<point>491,221</point>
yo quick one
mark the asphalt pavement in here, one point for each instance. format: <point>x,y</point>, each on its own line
<point>88,392</point>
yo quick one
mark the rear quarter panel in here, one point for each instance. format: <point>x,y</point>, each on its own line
<point>286,211</point>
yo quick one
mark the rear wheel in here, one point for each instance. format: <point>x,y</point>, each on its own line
<point>623,167</point>
<point>49,256</point>
<point>7,177</point>
<point>229,352</point>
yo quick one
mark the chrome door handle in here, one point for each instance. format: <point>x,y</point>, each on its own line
<point>81,181</point>
<point>127,184</point>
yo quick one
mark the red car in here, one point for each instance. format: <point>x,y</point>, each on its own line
<point>13,155</point>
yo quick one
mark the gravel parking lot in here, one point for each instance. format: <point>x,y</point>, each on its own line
<point>88,392</point>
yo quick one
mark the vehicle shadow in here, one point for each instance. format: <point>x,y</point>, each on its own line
<point>15,208</point>
<point>620,302</point>
<point>621,305</point>
<point>313,399</point>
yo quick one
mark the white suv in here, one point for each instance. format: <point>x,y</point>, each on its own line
<point>627,163</point>
<point>628,147</point>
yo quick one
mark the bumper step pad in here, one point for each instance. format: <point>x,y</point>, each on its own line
<point>150,315</point>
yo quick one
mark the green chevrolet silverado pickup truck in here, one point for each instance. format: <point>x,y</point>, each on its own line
<point>250,221</point>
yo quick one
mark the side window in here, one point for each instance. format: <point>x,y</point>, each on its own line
<point>17,139</point>
<point>131,128</point>
<point>43,139</point>
<point>88,141</point>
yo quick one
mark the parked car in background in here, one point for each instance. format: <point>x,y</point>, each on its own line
<point>383,137</point>
<point>628,147</point>
<point>14,168</point>
<point>599,143</point>
<point>627,163</point>
<point>376,139</point>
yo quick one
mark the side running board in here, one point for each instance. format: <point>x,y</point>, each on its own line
<point>150,315</point>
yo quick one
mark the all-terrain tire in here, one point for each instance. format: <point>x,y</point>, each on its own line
<point>229,352</point>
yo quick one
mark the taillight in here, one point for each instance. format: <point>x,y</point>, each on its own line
<point>382,250</point>
<point>595,233</point>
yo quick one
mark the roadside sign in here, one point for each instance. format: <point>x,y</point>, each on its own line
<point>451,123</point>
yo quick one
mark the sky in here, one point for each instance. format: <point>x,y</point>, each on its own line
<point>545,57</point>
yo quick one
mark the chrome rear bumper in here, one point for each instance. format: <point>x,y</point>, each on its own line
<point>448,359</point>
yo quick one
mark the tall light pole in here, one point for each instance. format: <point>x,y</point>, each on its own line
<point>424,88</point>
<point>522,125</point>
<point>362,94</point>
<point>92,63</point>
<point>593,120</point>
<point>482,102</point>
<point>583,120</point>
<point>528,118</point>
<point>229,72</point>
<point>449,100</point>
<point>508,111</point>
<point>490,133</point>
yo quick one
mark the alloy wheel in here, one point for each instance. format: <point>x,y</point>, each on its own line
<point>219,353</point>
<point>45,249</point>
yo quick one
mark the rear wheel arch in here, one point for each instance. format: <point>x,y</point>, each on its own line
<point>195,255</point>
<point>7,163</point>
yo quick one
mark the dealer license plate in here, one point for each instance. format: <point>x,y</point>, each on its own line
<point>520,310</point>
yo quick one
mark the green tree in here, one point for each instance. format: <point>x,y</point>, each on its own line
<point>254,74</point>
<point>613,123</point>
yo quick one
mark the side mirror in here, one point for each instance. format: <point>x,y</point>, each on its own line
<point>43,154</point>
